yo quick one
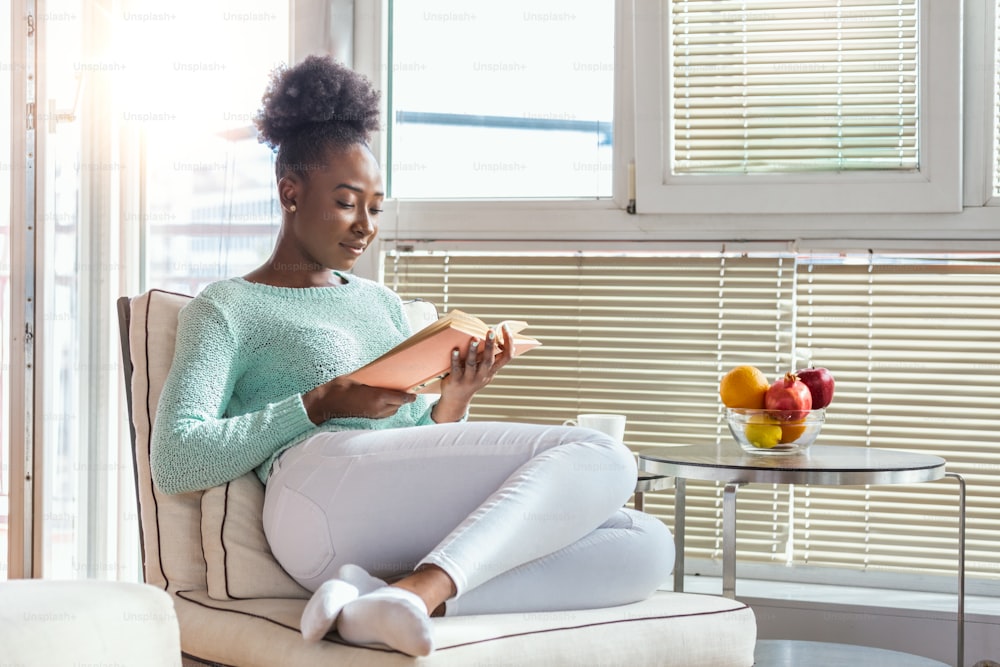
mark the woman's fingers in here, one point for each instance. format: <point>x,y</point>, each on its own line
<point>482,359</point>
<point>474,364</point>
<point>506,349</point>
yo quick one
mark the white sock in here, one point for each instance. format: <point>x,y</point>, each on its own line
<point>324,606</point>
<point>391,616</point>
<point>359,578</point>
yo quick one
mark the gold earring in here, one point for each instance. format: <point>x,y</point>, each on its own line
<point>292,208</point>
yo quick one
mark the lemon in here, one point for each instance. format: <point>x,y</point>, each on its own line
<point>743,387</point>
<point>764,436</point>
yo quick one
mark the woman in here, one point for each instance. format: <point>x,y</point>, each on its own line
<point>364,482</point>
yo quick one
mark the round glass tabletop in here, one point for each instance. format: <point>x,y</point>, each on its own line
<point>820,464</point>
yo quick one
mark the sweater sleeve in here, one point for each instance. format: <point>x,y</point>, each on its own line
<point>194,444</point>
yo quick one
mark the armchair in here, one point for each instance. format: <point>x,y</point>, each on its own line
<point>236,606</point>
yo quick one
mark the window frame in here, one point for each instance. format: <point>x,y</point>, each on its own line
<point>936,186</point>
<point>983,55</point>
<point>23,558</point>
<point>979,56</point>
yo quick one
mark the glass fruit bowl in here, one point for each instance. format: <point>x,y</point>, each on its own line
<point>774,431</point>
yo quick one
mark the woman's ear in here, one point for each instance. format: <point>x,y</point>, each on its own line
<point>288,191</point>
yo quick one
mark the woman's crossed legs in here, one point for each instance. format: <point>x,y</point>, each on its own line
<point>493,517</point>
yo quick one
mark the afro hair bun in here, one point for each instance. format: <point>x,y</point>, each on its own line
<point>317,91</point>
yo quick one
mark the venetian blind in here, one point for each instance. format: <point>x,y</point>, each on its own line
<point>916,347</point>
<point>913,347</point>
<point>793,85</point>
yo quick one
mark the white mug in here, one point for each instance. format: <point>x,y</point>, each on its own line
<point>613,425</point>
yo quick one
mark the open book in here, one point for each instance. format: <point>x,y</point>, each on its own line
<point>417,363</point>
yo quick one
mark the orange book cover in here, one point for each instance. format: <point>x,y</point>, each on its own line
<point>425,357</point>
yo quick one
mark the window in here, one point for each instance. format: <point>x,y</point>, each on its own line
<point>209,204</point>
<point>212,207</point>
<point>809,88</point>
<point>798,107</point>
<point>76,507</point>
<point>651,334</point>
<point>525,111</point>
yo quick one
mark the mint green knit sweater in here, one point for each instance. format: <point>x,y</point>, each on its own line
<point>245,354</point>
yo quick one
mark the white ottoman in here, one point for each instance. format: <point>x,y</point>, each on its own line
<point>52,623</point>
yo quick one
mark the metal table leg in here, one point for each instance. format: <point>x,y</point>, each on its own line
<point>679,507</point>
<point>729,539</point>
<point>653,482</point>
<point>961,566</point>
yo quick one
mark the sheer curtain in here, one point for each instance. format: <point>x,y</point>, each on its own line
<point>149,176</point>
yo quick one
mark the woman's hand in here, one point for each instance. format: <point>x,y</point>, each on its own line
<point>471,372</point>
<point>341,397</point>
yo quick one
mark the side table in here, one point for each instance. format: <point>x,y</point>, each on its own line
<point>821,465</point>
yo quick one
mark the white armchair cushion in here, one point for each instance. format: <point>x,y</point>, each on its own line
<point>419,314</point>
<point>666,630</point>
<point>238,559</point>
<point>171,525</point>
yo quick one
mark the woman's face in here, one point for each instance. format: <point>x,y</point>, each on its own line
<point>336,209</point>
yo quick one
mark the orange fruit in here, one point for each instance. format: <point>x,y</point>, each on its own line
<point>744,387</point>
<point>792,431</point>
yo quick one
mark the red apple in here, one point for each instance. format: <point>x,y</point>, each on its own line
<point>820,383</point>
<point>789,397</point>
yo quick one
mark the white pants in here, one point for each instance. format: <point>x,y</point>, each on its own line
<point>523,517</point>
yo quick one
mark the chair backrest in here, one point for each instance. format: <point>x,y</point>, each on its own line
<point>170,525</point>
